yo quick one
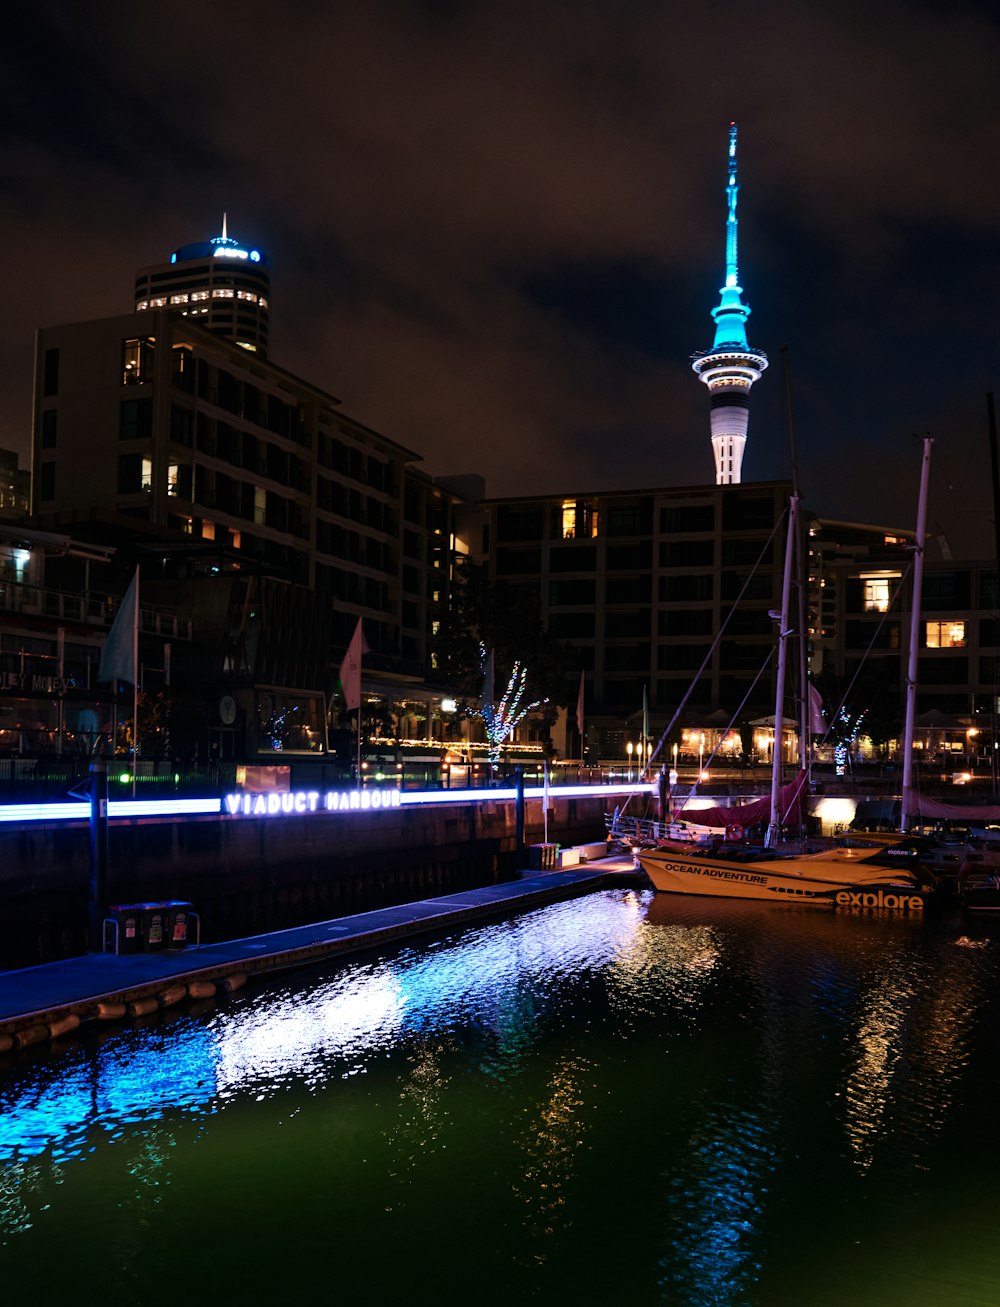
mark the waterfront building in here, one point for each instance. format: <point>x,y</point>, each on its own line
<point>958,666</point>
<point>169,433</point>
<point>731,366</point>
<point>639,583</point>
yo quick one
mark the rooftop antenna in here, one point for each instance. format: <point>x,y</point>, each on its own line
<point>224,236</point>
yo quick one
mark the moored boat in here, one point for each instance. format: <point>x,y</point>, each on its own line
<point>866,876</point>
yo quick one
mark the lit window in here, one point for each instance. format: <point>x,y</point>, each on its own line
<point>569,520</point>
<point>173,475</point>
<point>158,302</point>
<point>945,635</point>
<point>143,304</point>
<point>435,628</point>
<point>878,591</point>
<point>147,474</point>
<point>221,293</point>
<point>578,521</point>
<point>198,295</point>
<point>263,302</point>
<point>137,361</point>
<point>178,299</point>
<point>208,530</point>
<point>247,295</point>
<point>259,505</point>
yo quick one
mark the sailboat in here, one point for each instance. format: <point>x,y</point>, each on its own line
<point>855,874</point>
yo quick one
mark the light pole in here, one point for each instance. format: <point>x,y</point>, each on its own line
<point>628,749</point>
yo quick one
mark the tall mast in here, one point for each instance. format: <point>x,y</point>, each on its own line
<point>906,814</point>
<point>774,826</point>
<point>730,367</point>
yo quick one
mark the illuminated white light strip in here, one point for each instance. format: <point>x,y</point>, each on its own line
<point>44,811</point>
<point>80,811</point>
<point>163,807</point>
<point>530,792</point>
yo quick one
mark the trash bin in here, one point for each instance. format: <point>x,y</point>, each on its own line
<point>542,857</point>
<point>123,929</point>
<point>180,921</point>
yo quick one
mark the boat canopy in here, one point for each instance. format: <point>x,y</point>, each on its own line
<point>746,815</point>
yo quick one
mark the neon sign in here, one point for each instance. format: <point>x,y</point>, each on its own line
<point>231,253</point>
<point>302,801</point>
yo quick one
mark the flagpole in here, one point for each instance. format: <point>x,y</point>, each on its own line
<point>135,687</point>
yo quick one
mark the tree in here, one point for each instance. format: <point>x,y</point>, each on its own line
<point>506,618</point>
<point>502,718</point>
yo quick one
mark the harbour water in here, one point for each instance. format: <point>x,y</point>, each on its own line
<point>623,1098</point>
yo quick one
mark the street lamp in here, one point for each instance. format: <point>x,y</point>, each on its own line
<point>628,748</point>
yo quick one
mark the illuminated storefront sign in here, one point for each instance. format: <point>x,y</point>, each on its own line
<point>301,801</point>
<point>35,683</point>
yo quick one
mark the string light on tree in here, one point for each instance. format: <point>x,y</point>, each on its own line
<point>503,718</point>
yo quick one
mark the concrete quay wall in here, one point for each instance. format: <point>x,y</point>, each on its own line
<point>246,875</point>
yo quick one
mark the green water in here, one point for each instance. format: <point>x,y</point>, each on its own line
<point>625,1098</point>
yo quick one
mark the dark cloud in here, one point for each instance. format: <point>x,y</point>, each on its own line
<point>497,230</point>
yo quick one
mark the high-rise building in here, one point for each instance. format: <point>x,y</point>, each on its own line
<point>730,367</point>
<point>275,520</point>
<point>221,284</point>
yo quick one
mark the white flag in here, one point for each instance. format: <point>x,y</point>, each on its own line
<point>118,655</point>
<point>350,669</point>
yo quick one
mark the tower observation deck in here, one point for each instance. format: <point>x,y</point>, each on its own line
<point>730,367</point>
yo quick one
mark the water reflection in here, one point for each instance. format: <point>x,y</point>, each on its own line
<point>498,978</point>
<point>551,1141</point>
<point>714,1216</point>
<point>749,1088</point>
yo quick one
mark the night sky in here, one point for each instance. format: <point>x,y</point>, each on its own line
<point>497,229</point>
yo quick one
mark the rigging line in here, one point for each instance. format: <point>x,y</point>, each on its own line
<point>718,636</point>
<point>871,644</point>
<point>750,690</point>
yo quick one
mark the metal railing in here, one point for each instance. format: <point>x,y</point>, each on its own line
<point>88,609</point>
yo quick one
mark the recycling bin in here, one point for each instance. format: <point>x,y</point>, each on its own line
<point>123,928</point>
<point>180,922</point>
<point>154,926</point>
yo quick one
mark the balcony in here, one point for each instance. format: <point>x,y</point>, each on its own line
<point>87,609</point>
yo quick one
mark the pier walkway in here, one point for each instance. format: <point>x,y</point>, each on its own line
<point>44,1002</point>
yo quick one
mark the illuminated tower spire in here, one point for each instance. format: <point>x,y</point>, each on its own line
<point>730,367</point>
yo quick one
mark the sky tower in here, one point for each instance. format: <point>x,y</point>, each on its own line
<point>730,367</point>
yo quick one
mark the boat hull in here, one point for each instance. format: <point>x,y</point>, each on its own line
<point>830,880</point>
<point>980,892</point>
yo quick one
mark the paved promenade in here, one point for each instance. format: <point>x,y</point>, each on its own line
<point>39,1003</point>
